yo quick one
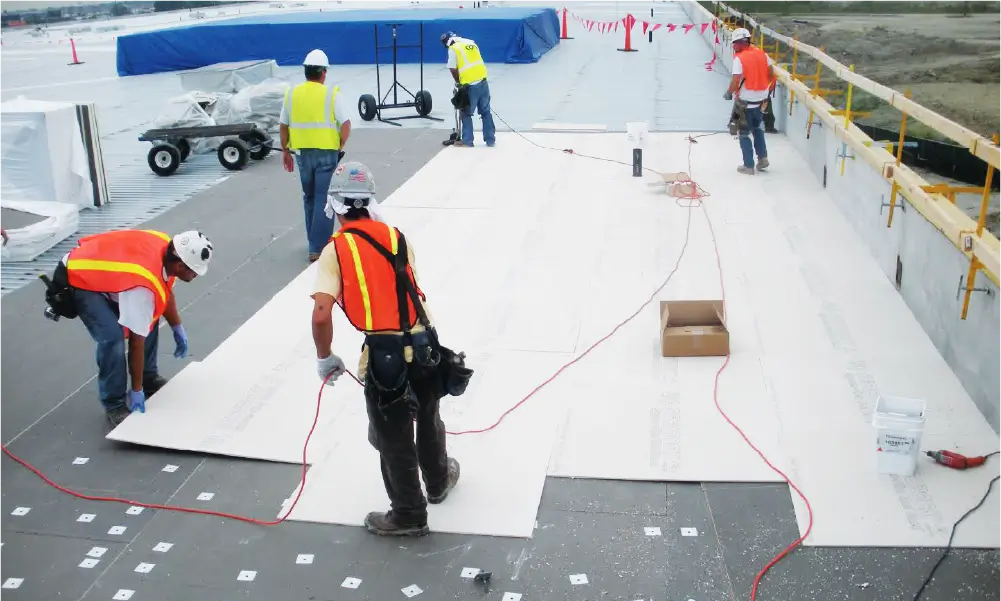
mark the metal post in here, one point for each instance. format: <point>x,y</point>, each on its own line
<point>421,29</point>
<point>795,56</point>
<point>395,99</point>
<point>378,80</point>
<point>637,162</point>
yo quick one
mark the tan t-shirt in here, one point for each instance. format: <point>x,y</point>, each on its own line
<point>328,281</point>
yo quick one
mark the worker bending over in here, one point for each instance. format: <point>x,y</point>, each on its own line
<point>752,76</point>
<point>314,123</point>
<point>470,75</point>
<point>368,269</point>
<point>125,279</point>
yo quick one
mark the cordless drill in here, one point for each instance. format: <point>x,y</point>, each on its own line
<point>955,460</point>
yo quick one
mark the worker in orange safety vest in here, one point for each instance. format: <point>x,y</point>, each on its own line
<point>123,281</point>
<point>367,269</point>
<point>752,77</point>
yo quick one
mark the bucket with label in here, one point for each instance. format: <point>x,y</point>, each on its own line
<point>898,423</point>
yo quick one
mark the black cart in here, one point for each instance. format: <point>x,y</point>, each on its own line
<point>369,108</point>
<point>171,145</point>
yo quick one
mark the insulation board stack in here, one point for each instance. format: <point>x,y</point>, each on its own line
<point>86,116</point>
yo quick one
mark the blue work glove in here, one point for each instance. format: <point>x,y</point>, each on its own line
<point>181,340</point>
<point>332,366</point>
<point>137,401</point>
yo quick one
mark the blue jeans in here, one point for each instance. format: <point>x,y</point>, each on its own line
<point>479,100</point>
<point>316,167</point>
<point>100,316</point>
<point>756,129</point>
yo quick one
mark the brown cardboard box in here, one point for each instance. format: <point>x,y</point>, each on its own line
<point>693,329</point>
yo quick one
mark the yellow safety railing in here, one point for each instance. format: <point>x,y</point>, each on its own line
<point>935,203</point>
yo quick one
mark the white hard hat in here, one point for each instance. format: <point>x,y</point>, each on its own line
<point>194,249</point>
<point>316,58</point>
<point>740,34</point>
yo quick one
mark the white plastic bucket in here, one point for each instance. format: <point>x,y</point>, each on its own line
<point>898,423</point>
<point>636,133</point>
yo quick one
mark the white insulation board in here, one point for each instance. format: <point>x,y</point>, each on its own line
<point>531,271</point>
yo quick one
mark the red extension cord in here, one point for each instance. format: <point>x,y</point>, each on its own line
<point>696,195</point>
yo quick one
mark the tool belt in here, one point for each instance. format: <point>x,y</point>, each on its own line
<point>59,295</point>
<point>738,117</point>
<point>460,99</point>
<point>442,370</point>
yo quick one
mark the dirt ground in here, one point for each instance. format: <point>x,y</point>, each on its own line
<point>950,63</point>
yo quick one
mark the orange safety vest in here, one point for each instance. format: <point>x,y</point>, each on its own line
<point>368,281</point>
<point>754,63</point>
<point>114,262</point>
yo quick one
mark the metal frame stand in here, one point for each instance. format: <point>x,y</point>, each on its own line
<point>421,101</point>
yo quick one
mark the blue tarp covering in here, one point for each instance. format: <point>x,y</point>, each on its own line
<point>504,34</point>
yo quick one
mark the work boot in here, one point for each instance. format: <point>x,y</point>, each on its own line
<point>762,163</point>
<point>745,170</point>
<point>461,144</point>
<point>313,257</point>
<point>453,478</point>
<point>385,524</point>
<point>153,383</point>
<point>117,415</point>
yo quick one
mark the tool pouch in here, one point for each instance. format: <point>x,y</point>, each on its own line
<point>453,374</point>
<point>738,117</point>
<point>427,351</point>
<point>460,100</point>
<point>386,379</point>
<point>59,294</point>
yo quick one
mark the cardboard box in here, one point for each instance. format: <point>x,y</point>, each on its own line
<point>693,329</point>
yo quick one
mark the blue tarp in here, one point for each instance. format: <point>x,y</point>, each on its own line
<point>504,34</point>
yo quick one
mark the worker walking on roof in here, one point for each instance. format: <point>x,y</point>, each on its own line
<point>314,123</point>
<point>470,75</point>
<point>752,76</point>
<point>125,279</point>
<point>368,270</point>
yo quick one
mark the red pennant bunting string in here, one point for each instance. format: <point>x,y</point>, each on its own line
<point>689,27</point>
<point>645,27</point>
<point>704,25</point>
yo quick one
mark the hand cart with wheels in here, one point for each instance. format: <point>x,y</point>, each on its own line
<point>369,108</point>
<point>171,146</point>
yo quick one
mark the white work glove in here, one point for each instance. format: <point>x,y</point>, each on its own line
<point>330,366</point>
<point>728,96</point>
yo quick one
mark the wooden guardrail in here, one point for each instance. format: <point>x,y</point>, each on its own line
<point>969,236</point>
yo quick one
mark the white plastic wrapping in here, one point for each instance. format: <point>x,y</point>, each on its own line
<point>42,156</point>
<point>228,78</point>
<point>260,104</point>
<point>26,243</point>
<point>187,110</point>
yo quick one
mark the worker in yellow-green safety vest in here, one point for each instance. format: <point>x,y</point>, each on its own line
<point>470,75</point>
<point>314,123</point>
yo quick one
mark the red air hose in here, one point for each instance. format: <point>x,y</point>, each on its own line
<point>697,195</point>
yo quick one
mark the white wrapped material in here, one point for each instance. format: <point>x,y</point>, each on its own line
<point>26,243</point>
<point>228,77</point>
<point>187,110</point>
<point>260,104</point>
<point>42,156</point>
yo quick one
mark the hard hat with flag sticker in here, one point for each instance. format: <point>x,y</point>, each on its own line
<point>352,186</point>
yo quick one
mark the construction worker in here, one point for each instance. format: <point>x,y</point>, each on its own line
<point>470,75</point>
<point>360,271</point>
<point>124,279</point>
<point>752,77</point>
<point>314,122</point>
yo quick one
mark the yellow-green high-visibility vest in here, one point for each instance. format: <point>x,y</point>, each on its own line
<point>468,61</point>
<point>310,110</point>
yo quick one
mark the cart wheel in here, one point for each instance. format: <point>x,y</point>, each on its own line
<point>233,154</point>
<point>164,158</point>
<point>260,146</point>
<point>366,107</point>
<point>423,103</point>
<point>185,147</point>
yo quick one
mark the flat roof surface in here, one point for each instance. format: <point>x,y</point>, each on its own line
<point>594,528</point>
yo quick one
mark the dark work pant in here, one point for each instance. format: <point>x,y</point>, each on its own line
<point>391,432</point>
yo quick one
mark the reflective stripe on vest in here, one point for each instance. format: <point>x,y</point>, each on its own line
<point>368,280</point>
<point>310,110</point>
<point>114,262</point>
<point>469,62</point>
<point>754,64</point>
